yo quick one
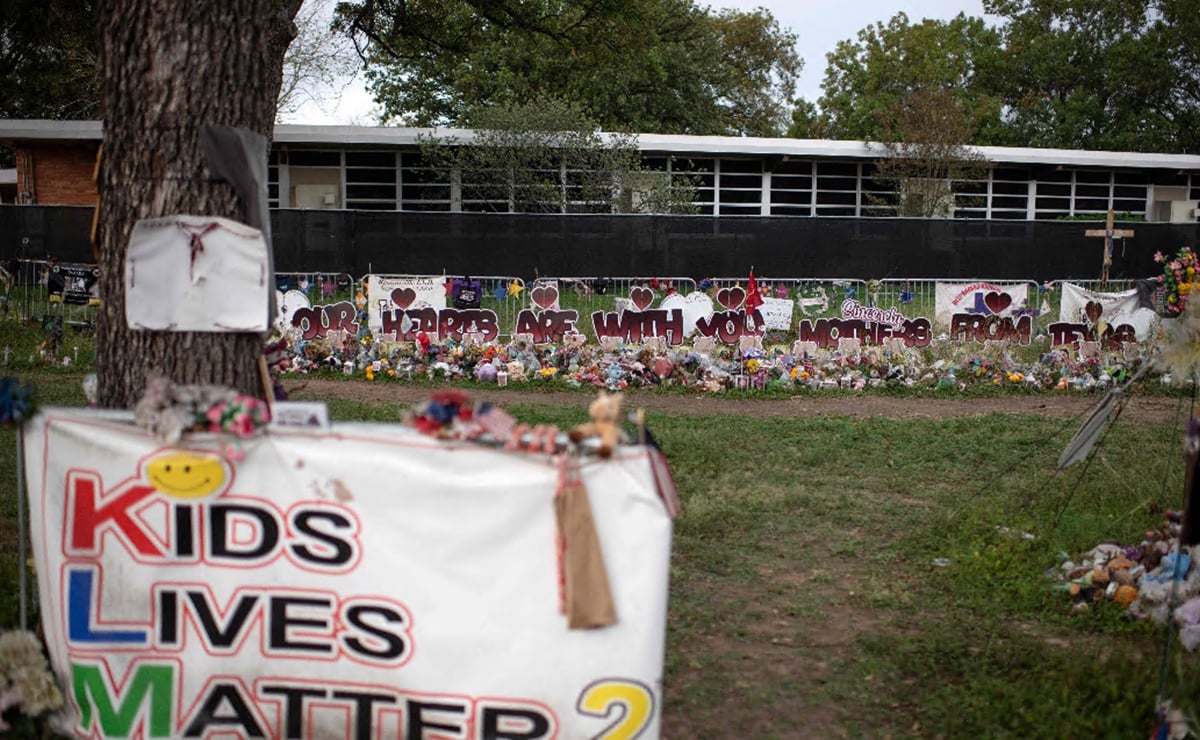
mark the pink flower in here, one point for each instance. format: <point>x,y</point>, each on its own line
<point>214,415</point>
<point>1159,257</point>
<point>242,425</point>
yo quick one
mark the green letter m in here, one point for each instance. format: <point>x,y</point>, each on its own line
<point>92,693</point>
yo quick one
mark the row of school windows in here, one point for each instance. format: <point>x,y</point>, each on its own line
<point>724,186</point>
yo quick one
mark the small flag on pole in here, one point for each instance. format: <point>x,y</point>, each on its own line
<point>753,297</point>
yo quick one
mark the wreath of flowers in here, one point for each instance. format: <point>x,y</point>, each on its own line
<point>1178,279</point>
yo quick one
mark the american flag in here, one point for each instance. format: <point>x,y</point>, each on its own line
<point>494,421</point>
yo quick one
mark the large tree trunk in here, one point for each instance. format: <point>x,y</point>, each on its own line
<point>167,68</point>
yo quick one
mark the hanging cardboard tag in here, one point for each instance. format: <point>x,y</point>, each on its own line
<point>586,597</point>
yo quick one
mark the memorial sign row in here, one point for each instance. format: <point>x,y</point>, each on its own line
<point>401,309</point>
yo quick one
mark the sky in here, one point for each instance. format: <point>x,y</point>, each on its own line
<point>818,24</point>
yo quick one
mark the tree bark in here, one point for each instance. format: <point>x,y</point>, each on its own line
<point>166,69</point>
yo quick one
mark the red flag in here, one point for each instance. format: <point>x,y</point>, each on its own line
<point>753,297</point>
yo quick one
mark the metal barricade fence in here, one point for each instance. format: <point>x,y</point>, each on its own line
<point>814,298</point>
<point>40,290</point>
<point>918,297</point>
<point>318,288</point>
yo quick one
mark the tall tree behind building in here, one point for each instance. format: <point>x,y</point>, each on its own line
<point>640,66</point>
<point>924,150</point>
<point>868,78</point>
<point>48,59</point>
<point>546,156</point>
<point>165,71</point>
<point>320,63</point>
<point>1100,74</point>
<point>1072,74</point>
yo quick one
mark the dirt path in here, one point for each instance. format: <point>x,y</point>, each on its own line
<point>1139,408</point>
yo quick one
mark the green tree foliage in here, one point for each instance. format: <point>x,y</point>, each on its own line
<point>661,66</point>
<point>1100,74</point>
<point>48,52</point>
<point>48,59</point>
<point>1081,74</point>
<point>548,157</point>
<point>867,79</point>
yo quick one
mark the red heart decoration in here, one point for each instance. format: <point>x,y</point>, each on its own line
<point>641,297</point>
<point>1094,311</point>
<point>403,297</point>
<point>731,298</point>
<point>997,302</point>
<point>544,296</point>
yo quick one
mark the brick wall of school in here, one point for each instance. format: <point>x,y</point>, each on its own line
<point>59,174</point>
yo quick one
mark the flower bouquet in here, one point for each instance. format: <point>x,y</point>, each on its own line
<point>1178,279</point>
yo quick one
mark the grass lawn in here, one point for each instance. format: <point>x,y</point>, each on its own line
<point>805,597</point>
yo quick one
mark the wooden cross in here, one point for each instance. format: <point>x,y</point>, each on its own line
<point>1109,233</point>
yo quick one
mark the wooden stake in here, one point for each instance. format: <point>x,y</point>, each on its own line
<point>264,375</point>
<point>96,209</point>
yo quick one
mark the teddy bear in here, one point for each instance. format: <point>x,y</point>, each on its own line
<point>605,411</point>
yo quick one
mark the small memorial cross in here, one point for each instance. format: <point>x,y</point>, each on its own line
<point>1109,234</point>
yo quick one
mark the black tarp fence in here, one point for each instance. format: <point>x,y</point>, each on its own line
<point>359,242</point>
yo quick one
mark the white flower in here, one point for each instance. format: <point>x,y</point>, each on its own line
<point>19,648</point>
<point>25,677</point>
<point>40,692</point>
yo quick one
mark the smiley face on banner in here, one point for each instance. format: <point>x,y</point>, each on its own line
<point>187,475</point>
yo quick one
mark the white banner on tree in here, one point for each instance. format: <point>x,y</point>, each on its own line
<point>368,582</point>
<point>197,273</point>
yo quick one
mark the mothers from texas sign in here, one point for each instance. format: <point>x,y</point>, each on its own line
<point>868,325</point>
<point>368,582</point>
<point>982,311</point>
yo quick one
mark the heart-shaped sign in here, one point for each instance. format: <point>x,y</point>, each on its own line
<point>403,297</point>
<point>1094,311</point>
<point>287,305</point>
<point>544,296</point>
<point>695,306</point>
<point>731,298</point>
<point>997,302</point>
<point>641,297</point>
